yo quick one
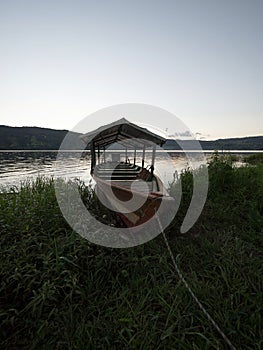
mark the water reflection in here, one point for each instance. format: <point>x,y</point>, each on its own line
<point>16,167</point>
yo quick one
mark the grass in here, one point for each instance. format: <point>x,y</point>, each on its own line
<point>254,159</point>
<point>58,291</point>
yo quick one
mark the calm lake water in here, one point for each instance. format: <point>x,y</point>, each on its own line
<point>19,166</point>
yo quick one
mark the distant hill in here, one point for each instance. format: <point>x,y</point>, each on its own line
<point>242,143</point>
<point>34,138</point>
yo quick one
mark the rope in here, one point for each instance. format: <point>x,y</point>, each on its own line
<point>209,317</point>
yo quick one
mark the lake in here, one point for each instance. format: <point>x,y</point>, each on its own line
<point>19,166</point>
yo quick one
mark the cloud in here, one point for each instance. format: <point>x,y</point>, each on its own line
<point>201,136</point>
<point>185,134</point>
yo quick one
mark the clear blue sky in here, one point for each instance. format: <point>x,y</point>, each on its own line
<point>201,60</point>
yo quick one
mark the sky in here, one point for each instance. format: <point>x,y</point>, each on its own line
<point>63,60</point>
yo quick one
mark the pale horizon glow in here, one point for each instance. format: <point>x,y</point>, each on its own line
<point>200,60</point>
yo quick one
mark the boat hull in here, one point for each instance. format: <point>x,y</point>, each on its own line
<point>117,198</point>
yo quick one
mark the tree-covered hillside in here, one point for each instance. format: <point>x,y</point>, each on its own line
<point>33,138</point>
<point>243,143</point>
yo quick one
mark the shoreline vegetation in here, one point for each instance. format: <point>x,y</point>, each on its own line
<point>59,291</point>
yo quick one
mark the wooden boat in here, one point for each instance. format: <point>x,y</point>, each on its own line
<point>130,189</point>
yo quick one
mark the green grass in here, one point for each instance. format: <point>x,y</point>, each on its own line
<point>254,158</point>
<point>58,291</point>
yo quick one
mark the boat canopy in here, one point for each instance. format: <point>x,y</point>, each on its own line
<point>124,132</point>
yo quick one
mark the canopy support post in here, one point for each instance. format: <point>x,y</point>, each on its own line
<point>93,157</point>
<point>98,154</point>
<point>153,159</point>
<point>143,156</point>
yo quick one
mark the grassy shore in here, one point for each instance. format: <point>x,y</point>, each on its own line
<point>58,291</point>
<point>254,159</point>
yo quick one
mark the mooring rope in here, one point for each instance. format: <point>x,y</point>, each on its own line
<point>209,317</point>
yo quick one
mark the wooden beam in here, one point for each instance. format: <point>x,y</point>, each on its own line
<point>134,156</point>
<point>143,155</point>
<point>153,159</point>
<point>93,157</point>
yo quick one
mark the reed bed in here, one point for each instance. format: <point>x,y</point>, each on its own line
<point>59,291</point>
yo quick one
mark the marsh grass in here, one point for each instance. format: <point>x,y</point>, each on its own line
<point>58,291</point>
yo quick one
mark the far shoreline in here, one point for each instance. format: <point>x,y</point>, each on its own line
<point>121,150</point>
